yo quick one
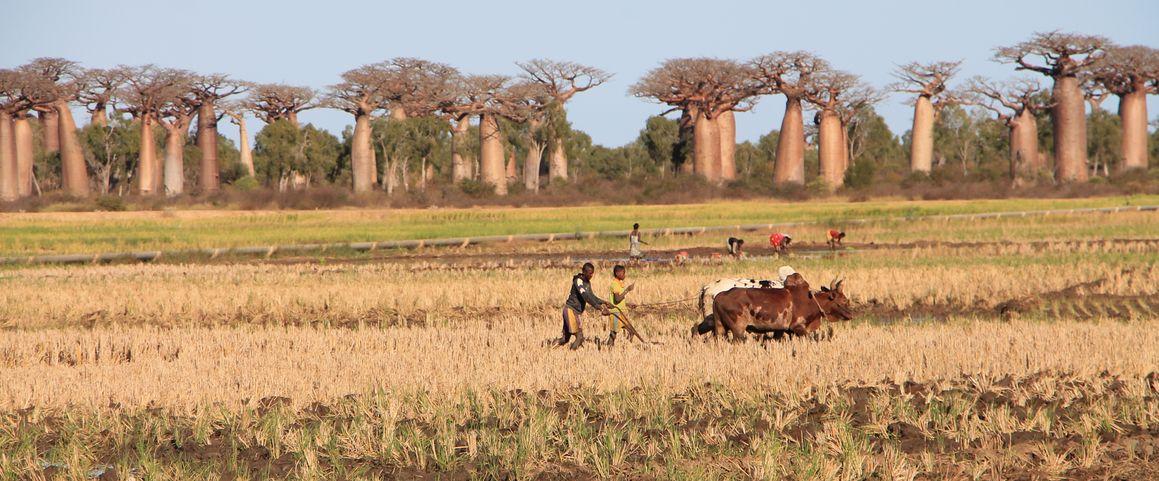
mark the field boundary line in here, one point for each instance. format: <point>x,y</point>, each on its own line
<point>268,250</point>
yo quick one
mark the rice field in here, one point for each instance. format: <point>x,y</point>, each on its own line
<point>989,349</point>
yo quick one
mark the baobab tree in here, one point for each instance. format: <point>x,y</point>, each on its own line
<point>790,74</point>
<point>532,104</point>
<point>561,80</point>
<point>1063,57</point>
<point>11,102</point>
<point>146,92</point>
<point>100,87</point>
<point>207,90</point>
<point>236,112</point>
<point>828,97</point>
<point>175,114</point>
<point>492,170</point>
<point>62,83</point>
<point>1015,103</point>
<point>413,88</point>
<point>19,91</point>
<point>703,88</point>
<point>855,102</point>
<point>466,97</point>
<point>1131,73</point>
<point>273,102</point>
<point>361,93</point>
<point>929,83</point>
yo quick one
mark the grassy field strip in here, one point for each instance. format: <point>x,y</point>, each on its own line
<point>549,237</point>
<point>28,234</point>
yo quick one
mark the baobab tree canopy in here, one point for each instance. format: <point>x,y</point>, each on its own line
<point>704,88</point>
<point>272,102</point>
<point>561,81</point>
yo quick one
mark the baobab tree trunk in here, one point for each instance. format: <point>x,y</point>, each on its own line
<point>361,160</point>
<point>210,170</point>
<point>74,172</point>
<point>726,123</point>
<point>99,117</point>
<point>25,153</point>
<point>373,165</point>
<point>1070,131</point>
<point>174,161</point>
<point>147,159</point>
<point>705,147</point>
<point>557,161</point>
<point>460,169</point>
<point>789,168</point>
<point>9,179</point>
<point>292,117</point>
<point>531,166</point>
<point>512,170</point>
<point>491,154</point>
<point>50,126</point>
<point>922,136</point>
<point>1133,116</point>
<point>1023,146</point>
<point>246,156</point>
<point>831,150</point>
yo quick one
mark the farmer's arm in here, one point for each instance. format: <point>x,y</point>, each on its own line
<point>591,298</point>
<point>618,297</point>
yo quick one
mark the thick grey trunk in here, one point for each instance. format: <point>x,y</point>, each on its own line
<point>922,136</point>
<point>49,126</point>
<point>74,171</point>
<point>1133,116</point>
<point>9,178</point>
<point>25,152</point>
<point>790,163</point>
<point>209,167</point>
<point>726,122</point>
<point>174,161</point>
<point>831,151</point>
<point>361,162</point>
<point>1070,131</point>
<point>491,166</point>
<point>460,168</point>
<point>706,147</point>
<point>147,159</point>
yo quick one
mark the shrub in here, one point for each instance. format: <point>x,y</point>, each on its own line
<point>110,203</point>
<point>476,188</point>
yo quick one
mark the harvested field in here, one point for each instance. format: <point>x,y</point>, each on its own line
<point>991,349</point>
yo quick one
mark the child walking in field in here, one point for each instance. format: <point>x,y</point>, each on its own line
<point>618,302</point>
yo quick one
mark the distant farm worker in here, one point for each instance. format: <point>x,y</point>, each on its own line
<point>780,242</point>
<point>834,237</point>
<point>619,301</point>
<point>580,297</point>
<point>634,252</point>
<point>734,247</point>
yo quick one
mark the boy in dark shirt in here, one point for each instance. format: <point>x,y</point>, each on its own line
<point>578,299</point>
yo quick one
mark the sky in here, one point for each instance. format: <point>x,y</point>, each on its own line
<point>312,42</point>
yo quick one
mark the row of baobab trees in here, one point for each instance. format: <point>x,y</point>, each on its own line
<point>705,91</point>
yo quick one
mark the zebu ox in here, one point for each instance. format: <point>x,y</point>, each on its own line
<point>709,292</point>
<point>795,309</point>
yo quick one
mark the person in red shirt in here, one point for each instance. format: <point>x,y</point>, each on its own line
<point>780,242</point>
<point>833,238</point>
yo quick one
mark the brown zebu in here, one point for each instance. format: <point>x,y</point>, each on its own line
<point>795,309</point>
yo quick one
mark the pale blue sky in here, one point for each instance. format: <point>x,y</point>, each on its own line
<point>312,42</point>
